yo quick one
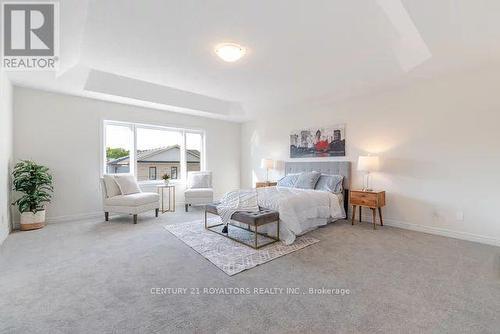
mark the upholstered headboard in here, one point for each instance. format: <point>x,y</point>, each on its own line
<point>327,167</point>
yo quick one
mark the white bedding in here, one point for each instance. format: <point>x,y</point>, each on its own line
<point>301,210</point>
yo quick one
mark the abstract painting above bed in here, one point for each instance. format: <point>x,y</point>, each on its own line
<point>318,142</point>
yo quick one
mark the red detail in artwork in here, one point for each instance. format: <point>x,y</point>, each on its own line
<point>322,145</point>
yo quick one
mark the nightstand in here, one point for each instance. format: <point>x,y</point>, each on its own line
<point>368,199</point>
<point>265,184</point>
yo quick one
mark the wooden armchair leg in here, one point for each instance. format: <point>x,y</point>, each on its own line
<point>135,219</point>
<point>106,216</point>
<point>187,206</point>
<point>156,212</point>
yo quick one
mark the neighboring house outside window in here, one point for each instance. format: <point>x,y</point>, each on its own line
<point>152,173</point>
<point>164,160</point>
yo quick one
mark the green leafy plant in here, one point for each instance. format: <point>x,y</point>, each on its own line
<point>166,177</point>
<point>35,182</point>
<point>115,153</point>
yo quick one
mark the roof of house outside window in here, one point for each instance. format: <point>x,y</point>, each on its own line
<point>170,154</point>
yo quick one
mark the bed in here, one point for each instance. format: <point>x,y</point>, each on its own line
<point>302,210</point>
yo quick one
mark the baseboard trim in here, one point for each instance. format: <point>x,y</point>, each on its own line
<point>437,231</point>
<point>3,236</point>
<point>72,218</point>
<point>83,216</point>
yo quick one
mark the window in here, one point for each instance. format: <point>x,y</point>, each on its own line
<point>152,173</point>
<point>194,143</point>
<point>119,141</point>
<point>157,148</point>
<point>149,152</point>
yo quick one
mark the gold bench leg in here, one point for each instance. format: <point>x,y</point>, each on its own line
<point>278,230</point>
<point>256,236</point>
<point>205,218</point>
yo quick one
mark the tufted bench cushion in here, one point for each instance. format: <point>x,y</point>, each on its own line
<point>262,217</point>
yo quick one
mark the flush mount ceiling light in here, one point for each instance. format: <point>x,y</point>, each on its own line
<point>230,52</point>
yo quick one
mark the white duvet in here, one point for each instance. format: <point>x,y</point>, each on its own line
<point>301,210</point>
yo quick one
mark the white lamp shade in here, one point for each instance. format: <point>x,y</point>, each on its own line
<point>267,163</point>
<point>368,163</point>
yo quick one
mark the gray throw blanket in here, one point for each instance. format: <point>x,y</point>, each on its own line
<point>238,200</point>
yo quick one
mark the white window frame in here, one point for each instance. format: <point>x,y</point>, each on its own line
<point>132,163</point>
<point>202,153</point>
<point>182,173</point>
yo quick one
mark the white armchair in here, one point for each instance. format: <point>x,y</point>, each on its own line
<point>130,203</point>
<point>199,189</point>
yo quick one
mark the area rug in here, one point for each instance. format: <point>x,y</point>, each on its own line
<point>230,256</point>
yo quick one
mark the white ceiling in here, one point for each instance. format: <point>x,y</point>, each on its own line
<point>297,50</point>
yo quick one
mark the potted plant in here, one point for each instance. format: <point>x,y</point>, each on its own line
<point>35,183</point>
<point>166,178</point>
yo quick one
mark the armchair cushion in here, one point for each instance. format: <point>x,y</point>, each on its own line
<point>132,200</point>
<point>112,188</point>
<point>127,184</point>
<point>199,180</point>
<point>198,193</point>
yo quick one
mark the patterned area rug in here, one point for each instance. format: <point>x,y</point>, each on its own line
<point>230,256</point>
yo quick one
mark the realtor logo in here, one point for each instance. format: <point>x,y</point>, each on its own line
<point>30,35</point>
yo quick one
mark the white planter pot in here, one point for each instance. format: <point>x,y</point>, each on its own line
<point>32,221</point>
<point>166,182</point>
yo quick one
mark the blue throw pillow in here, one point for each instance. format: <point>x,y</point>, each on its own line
<point>331,183</point>
<point>307,180</point>
<point>288,181</point>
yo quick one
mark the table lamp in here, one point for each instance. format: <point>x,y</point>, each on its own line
<point>367,164</point>
<point>267,164</point>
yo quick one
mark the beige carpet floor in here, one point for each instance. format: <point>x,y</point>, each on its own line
<point>228,255</point>
<point>116,277</point>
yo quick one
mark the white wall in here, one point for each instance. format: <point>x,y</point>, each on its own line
<point>63,133</point>
<point>439,143</point>
<point>5,154</point>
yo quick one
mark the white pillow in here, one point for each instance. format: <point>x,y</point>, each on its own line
<point>127,184</point>
<point>111,186</point>
<point>199,180</point>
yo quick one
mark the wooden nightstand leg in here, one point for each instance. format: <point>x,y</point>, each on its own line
<point>380,215</point>
<point>374,214</point>
<point>353,214</point>
<point>360,214</point>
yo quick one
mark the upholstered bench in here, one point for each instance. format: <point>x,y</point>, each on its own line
<point>251,219</point>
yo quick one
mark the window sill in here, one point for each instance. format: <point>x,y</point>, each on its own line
<point>159,183</point>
